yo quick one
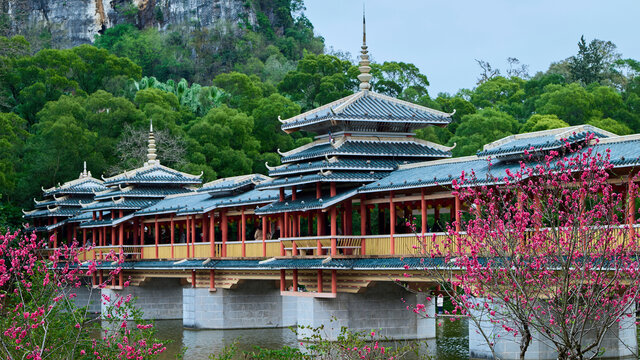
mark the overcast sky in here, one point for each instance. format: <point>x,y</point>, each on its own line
<point>444,37</point>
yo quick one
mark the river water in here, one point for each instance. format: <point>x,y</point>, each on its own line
<point>451,340</point>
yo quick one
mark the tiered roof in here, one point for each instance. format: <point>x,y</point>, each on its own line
<point>367,111</point>
<point>137,189</point>
<point>65,201</point>
<point>361,138</point>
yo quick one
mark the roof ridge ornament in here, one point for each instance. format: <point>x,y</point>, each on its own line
<point>364,67</point>
<point>270,168</point>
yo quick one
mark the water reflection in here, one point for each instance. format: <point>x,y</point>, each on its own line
<point>451,341</point>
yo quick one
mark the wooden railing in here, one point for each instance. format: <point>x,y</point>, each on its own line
<point>351,245</point>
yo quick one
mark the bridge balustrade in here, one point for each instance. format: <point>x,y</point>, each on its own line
<point>350,245</point>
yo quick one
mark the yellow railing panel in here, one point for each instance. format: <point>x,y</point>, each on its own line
<point>377,246</point>
<point>254,249</point>
<point>234,249</point>
<point>164,252</point>
<point>202,251</point>
<point>273,249</point>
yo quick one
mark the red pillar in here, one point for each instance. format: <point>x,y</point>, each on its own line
<point>225,232</point>
<point>334,221</point>
<point>84,237</point>
<point>392,223</point>
<point>334,231</point>
<point>134,232</point>
<point>295,280</point>
<point>212,234</point>
<point>281,226</point>
<point>193,279</point>
<point>156,233</point>
<point>423,212</point>
<point>193,236</point>
<point>264,235</point>
<point>286,225</point>
<point>334,281</point>
<point>348,210</point>
<point>172,233</point>
<point>319,230</point>
<point>121,234</point>
<point>113,236</point>
<point>205,230</point>
<point>283,281</point>
<point>363,226</point>
<point>319,281</point>
<point>243,228</point>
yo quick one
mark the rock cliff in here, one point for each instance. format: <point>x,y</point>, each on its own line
<point>68,23</point>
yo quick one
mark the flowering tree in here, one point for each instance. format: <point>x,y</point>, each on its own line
<point>547,254</point>
<point>39,318</point>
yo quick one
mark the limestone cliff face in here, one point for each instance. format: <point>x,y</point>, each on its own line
<point>75,22</point>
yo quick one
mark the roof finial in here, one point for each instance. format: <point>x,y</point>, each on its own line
<point>364,67</point>
<point>84,172</point>
<point>151,152</point>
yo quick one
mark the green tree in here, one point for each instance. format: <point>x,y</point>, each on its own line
<point>221,143</point>
<point>13,135</point>
<point>542,122</point>
<point>399,79</point>
<point>317,80</point>
<point>267,127</point>
<point>571,103</point>
<point>611,125</point>
<point>481,128</point>
<point>505,94</point>
<point>59,144</point>
<point>593,61</point>
<point>244,91</point>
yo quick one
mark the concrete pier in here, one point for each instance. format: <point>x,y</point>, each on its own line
<point>253,304</point>
<point>620,342</point>
<point>381,309</point>
<point>158,298</point>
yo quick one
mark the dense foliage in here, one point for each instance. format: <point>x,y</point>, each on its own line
<point>218,97</point>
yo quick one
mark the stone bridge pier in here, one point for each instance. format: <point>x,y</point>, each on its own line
<point>251,304</point>
<point>382,308</point>
<point>158,298</point>
<point>620,342</point>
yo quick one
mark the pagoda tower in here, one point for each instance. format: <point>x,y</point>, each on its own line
<point>360,139</point>
<point>129,192</point>
<point>61,203</point>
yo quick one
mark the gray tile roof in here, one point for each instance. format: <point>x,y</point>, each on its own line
<point>141,191</point>
<point>231,184</point>
<point>541,141</point>
<point>124,204</point>
<point>370,148</point>
<point>153,174</point>
<point>358,177</point>
<point>361,164</point>
<point>86,185</point>
<point>367,111</point>
<point>305,202</point>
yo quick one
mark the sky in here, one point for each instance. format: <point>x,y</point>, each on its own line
<point>443,38</point>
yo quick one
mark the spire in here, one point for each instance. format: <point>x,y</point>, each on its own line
<point>364,67</point>
<point>84,172</point>
<point>151,152</point>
